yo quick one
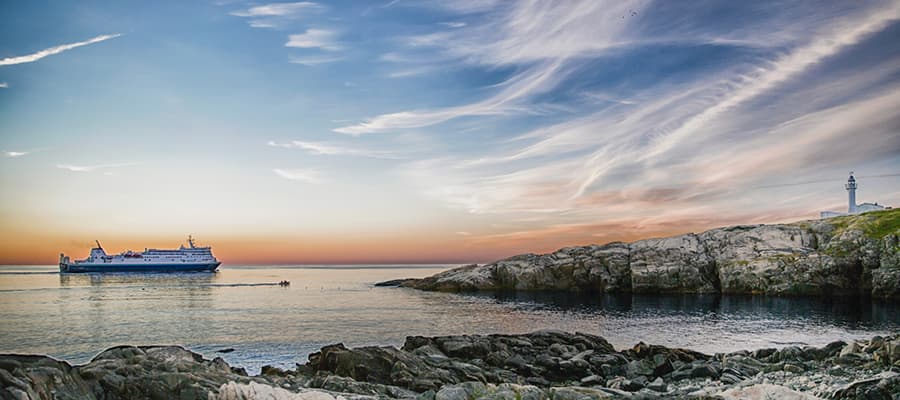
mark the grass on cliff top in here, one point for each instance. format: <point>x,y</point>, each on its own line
<point>874,224</point>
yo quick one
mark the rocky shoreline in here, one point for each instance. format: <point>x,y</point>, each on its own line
<point>538,365</point>
<point>850,255</point>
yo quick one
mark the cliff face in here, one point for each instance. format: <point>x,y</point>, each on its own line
<point>845,255</point>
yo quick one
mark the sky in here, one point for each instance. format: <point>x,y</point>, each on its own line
<point>425,131</point>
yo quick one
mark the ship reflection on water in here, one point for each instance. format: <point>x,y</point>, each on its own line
<point>118,279</point>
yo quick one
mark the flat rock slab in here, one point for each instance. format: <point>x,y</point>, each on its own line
<point>765,391</point>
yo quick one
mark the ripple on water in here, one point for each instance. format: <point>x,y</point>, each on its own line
<point>75,316</point>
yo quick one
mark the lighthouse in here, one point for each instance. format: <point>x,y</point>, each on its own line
<point>851,194</point>
<point>852,207</point>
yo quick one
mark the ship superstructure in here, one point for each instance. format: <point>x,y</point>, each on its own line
<point>182,259</point>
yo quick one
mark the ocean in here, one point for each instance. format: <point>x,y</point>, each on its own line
<point>75,316</point>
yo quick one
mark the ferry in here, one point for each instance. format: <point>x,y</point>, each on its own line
<point>182,259</point>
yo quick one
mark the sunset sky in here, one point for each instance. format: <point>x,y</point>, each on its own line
<point>434,131</point>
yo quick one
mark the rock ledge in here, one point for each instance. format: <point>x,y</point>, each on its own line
<point>851,255</point>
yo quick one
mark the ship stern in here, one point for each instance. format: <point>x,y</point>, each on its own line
<point>63,263</point>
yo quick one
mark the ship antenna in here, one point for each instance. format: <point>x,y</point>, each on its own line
<point>98,244</point>
<point>191,241</point>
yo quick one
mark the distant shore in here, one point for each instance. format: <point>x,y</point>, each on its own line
<point>849,255</point>
<point>539,365</point>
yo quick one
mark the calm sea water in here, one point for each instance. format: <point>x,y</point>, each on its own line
<point>74,316</point>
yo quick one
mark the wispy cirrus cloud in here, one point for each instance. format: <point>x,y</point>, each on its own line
<point>277,15</point>
<point>510,98</point>
<point>683,147</point>
<point>408,72</point>
<point>846,33</point>
<point>555,38</point>
<point>310,176</point>
<point>21,152</point>
<point>277,9</point>
<point>322,148</point>
<point>315,38</point>
<point>453,24</point>
<point>311,61</point>
<point>546,39</point>
<point>408,65</point>
<point>284,16</point>
<point>54,50</point>
<point>92,168</point>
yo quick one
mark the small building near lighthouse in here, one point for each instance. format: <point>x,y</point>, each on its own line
<point>852,207</point>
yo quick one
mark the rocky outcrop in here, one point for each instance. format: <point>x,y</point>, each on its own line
<point>117,373</point>
<point>851,255</point>
<point>539,365</point>
<point>430,363</point>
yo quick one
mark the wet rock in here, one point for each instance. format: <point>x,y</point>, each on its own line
<point>591,380</point>
<point>516,362</point>
<point>274,371</point>
<point>452,392</point>
<point>393,283</point>
<point>661,365</point>
<point>792,368</point>
<point>852,348</point>
<point>832,349</point>
<point>704,371</point>
<point>633,385</point>
<point>658,385</point>
<point>789,354</point>
<point>741,366</point>
<point>875,344</point>
<point>576,393</point>
<point>851,354</point>
<point>427,395</point>
<point>884,385</point>
<point>639,368</point>
<point>892,350</point>
<point>729,378</point>
<point>763,353</point>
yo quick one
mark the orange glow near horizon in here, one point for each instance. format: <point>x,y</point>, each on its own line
<point>22,248</point>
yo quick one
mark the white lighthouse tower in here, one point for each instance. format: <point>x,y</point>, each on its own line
<point>851,191</point>
<point>852,207</point>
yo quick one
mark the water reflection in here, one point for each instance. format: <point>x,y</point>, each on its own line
<point>137,279</point>
<point>851,312</point>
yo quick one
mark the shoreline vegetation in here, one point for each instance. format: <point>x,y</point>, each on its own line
<point>539,365</point>
<point>855,255</point>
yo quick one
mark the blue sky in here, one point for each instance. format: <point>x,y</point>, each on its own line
<point>436,130</point>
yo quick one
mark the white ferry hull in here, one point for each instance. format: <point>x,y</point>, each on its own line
<point>143,267</point>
